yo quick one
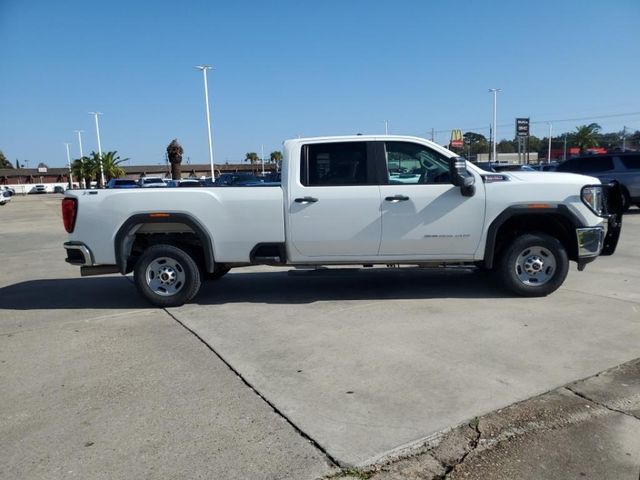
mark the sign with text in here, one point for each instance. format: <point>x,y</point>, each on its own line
<point>522,127</point>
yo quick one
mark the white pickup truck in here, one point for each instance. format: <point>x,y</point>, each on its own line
<point>355,200</point>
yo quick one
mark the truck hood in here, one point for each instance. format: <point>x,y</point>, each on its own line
<point>552,177</point>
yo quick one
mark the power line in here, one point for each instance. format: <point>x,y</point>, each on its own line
<point>577,119</point>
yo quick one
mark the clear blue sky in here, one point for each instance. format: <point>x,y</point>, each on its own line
<point>289,68</point>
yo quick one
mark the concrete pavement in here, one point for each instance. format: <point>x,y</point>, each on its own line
<point>97,385</point>
<point>279,374</point>
<point>589,429</point>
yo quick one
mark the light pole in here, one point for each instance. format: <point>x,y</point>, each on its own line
<point>69,165</point>
<point>262,158</point>
<point>494,129</point>
<point>82,181</point>
<point>95,115</point>
<point>549,149</point>
<point>204,69</point>
<point>386,127</point>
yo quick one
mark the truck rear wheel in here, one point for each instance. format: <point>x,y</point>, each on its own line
<point>166,276</point>
<point>534,265</point>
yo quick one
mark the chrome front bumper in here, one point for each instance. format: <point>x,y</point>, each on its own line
<point>590,241</point>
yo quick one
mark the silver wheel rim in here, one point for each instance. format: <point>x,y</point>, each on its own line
<point>165,276</point>
<point>535,266</point>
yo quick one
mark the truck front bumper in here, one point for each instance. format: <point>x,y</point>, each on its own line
<point>590,241</point>
<point>590,244</point>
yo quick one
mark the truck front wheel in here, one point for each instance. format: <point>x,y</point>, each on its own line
<point>534,265</point>
<point>166,276</point>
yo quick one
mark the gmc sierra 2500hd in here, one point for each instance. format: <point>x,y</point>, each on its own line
<point>344,201</point>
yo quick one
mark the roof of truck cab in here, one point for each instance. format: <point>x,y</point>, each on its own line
<point>369,138</point>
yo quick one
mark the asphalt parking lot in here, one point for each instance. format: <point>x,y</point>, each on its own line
<point>271,373</point>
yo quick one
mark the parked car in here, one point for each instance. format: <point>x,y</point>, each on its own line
<point>547,167</point>
<point>621,167</point>
<point>7,189</point>
<point>152,182</point>
<point>39,189</point>
<point>5,197</point>
<point>504,167</point>
<point>189,182</point>
<point>236,179</point>
<point>122,183</point>
<point>58,189</point>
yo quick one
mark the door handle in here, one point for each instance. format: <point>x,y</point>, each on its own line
<point>306,200</point>
<point>397,198</point>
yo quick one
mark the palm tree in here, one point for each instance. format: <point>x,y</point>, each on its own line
<point>252,157</point>
<point>586,136</point>
<point>110,166</point>
<point>276,156</point>
<point>82,170</point>
<point>174,153</point>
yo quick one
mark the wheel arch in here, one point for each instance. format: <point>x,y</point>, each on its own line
<point>128,231</point>
<point>558,222</point>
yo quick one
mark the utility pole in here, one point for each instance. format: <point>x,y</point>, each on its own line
<point>95,114</point>
<point>564,153</point>
<point>549,149</point>
<point>624,139</point>
<point>82,181</point>
<point>262,158</point>
<point>204,69</point>
<point>69,165</point>
<point>495,129</point>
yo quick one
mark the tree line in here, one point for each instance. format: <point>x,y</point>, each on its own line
<point>583,138</point>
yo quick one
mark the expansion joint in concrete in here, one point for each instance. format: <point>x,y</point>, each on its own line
<point>331,460</point>
<point>603,405</point>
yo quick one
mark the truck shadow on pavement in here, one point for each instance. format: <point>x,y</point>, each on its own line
<point>300,287</point>
<point>71,293</point>
<point>278,287</point>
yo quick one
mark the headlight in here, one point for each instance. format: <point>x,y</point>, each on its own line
<point>592,197</point>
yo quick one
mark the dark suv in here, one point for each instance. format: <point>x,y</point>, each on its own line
<point>623,167</point>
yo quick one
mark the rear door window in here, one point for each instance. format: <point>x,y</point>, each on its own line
<point>334,164</point>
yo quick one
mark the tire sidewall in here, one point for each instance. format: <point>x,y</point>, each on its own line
<point>511,254</point>
<point>192,276</point>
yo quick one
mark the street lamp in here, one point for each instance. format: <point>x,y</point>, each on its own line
<point>69,165</point>
<point>549,149</point>
<point>386,127</point>
<point>494,129</point>
<point>83,180</point>
<point>95,115</point>
<point>204,69</point>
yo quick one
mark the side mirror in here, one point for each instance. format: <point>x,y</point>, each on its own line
<point>460,177</point>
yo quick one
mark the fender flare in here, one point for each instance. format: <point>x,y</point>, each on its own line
<point>124,237</point>
<point>517,210</point>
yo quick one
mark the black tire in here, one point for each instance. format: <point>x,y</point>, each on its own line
<point>219,271</point>
<point>166,276</point>
<point>534,265</point>
<point>626,200</point>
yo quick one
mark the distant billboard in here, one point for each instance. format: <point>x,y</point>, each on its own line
<point>522,127</point>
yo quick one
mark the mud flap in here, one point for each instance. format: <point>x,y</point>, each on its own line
<point>614,209</point>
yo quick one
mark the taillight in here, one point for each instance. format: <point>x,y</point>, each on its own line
<point>69,211</point>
